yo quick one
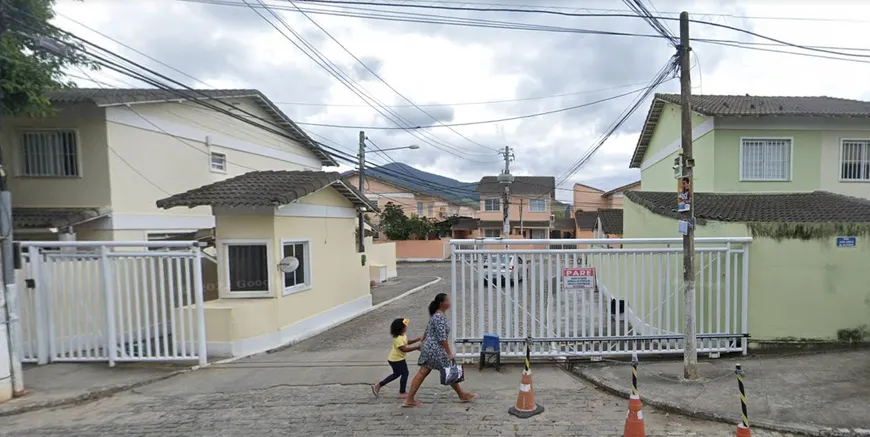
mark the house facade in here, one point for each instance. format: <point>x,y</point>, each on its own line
<point>412,201</point>
<point>792,173</point>
<point>95,168</point>
<point>529,205</point>
<point>749,144</point>
<point>587,198</point>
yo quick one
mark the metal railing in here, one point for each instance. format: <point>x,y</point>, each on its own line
<point>636,305</point>
<point>112,301</point>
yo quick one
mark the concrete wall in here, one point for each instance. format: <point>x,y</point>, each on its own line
<point>382,254</point>
<point>90,189</point>
<point>422,250</point>
<point>797,289</point>
<point>339,282</point>
<point>657,173</point>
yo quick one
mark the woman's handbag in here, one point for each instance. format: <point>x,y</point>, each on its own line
<point>452,374</point>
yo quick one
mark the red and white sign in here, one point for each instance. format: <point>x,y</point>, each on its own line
<point>578,278</point>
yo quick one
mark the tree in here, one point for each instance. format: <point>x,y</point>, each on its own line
<point>28,69</point>
<point>420,226</point>
<point>445,228</point>
<point>394,222</point>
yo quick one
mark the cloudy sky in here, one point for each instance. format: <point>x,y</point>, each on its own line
<point>468,74</point>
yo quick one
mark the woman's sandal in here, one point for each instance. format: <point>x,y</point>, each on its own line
<point>375,390</point>
<point>470,398</point>
<point>414,405</point>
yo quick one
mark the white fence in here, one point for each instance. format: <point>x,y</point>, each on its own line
<point>112,301</point>
<point>636,306</point>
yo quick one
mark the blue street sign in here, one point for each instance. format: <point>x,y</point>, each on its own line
<point>847,241</point>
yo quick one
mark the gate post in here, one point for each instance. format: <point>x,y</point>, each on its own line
<point>109,298</point>
<point>40,302</point>
<point>453,295</point>
<point>201,348</point>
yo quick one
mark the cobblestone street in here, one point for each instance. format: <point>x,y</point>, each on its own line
<point>320,388</point>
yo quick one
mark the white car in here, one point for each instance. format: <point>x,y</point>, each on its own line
<point>502,269</point>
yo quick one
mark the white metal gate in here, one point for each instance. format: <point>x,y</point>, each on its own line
<point>111,301</point>
<point>513,288</point>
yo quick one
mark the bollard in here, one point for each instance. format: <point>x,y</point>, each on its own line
<point>634,426</point>
<point>743,427</point>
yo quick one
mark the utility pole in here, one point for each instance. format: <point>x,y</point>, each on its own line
<point>9,298</point>
<point>362,187</point>
<point>690,349</point>
<point>506,178</point>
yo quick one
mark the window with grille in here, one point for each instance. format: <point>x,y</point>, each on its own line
<point>431,209</point>
<point>492,233</point>
<point>419,209</point>
<point>218,162</point>
<point>248,267</point>
<point>855,160</point>
<point>49,154</point>
<point>765,159</point>
<point>491,205</point>
<point>538,205</point>
<point>300,279</point>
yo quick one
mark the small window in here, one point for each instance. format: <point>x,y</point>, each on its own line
<point>300,279</point>
<point>765,159</point>
<point>492,205</point>
<point>248,267</point>
<point>492,233</point>
<point>49,154</point>
<point>419,209</point>
<point>538,205</point>
<point>431,210</point>
<point>538,234</point>
<point>855,160</point>
<point>218,162</point>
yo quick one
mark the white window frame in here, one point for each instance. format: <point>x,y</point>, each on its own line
<point>223,254</point>
<point>498,231</point>
<point>430,210</point>
<point>840,160</point>
<point>19,165</point>
<point>307,285</point>
<point>211,163</point>
<point>537,200</point>
<point>419,208</point>
<point>486,206</point>
<point>790,176</point>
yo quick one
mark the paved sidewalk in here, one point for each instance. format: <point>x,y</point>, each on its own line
<point>64,384</point>
<point>813,394</point>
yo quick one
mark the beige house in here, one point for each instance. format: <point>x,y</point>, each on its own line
<point>412,201</point>
<point>587,198</point>
<point>261,218</point>
<point>94,169</point>
<point>530,204</point>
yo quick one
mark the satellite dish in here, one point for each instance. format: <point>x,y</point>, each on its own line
<point>288,264</point>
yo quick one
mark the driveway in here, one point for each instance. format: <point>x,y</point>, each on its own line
<point>320,388</point>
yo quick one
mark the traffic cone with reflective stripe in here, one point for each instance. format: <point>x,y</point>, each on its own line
<point>526,406</point>
<point>634,418</point>
<point>743,431</point>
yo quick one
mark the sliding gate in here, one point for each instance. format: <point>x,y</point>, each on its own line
<point>634,304</point>
<point>111,301</point>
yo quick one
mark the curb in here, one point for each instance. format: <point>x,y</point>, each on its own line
<point>105,392</point>
<point>89,396</point>
<point>788,428</point>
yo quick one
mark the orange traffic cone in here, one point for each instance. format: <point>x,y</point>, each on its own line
<point>634,419</point>
<point>526,406</point>
<point>743,431</point>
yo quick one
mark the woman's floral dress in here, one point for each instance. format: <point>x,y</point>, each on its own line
<point>432,354</point>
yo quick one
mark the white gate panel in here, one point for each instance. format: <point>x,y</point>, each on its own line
<point>113,301</point>
<point>513,288</point>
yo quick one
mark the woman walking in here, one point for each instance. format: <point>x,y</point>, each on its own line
<point>435,352</point>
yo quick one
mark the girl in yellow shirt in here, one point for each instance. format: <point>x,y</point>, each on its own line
<point>401,346</point>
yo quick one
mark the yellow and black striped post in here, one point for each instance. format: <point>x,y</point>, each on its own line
<point>528,356</point>
<point>744,414</point>
<point>634,375</point>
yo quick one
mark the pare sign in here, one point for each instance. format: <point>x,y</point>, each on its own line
<point>577,278</point>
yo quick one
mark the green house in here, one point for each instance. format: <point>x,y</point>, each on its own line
<point>793,173</point>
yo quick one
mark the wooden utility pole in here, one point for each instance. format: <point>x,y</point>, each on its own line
<point>690,352</point>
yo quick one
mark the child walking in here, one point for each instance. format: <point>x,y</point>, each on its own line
<point>401,346</point>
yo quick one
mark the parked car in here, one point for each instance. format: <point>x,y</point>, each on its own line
<point>502,269</point>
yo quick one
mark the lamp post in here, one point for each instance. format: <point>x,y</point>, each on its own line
<point>362,181</point>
